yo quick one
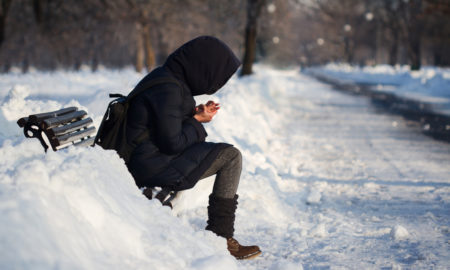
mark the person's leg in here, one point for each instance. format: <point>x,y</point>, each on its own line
<point>227,167</point>
<point>223,201</point>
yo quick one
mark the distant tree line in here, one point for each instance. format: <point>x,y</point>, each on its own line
<point>52,34</point>
<point>412,32</point>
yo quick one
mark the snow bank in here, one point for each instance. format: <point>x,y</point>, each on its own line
<point>430,84</point>
<point>79,208</point>
<point>430,81</point>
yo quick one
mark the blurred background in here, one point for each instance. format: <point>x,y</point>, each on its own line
<point>71,34</point>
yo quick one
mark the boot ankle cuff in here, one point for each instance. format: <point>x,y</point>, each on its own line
<point>221,213</point>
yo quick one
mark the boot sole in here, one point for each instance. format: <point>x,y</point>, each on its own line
<point>250,256</point>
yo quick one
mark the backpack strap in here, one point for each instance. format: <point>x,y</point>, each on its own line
<point>142,137</point>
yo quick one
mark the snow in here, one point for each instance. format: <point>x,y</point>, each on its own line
<point>328,182</point>
<point>429,85</point>
<point>399,233</point>
<point>313,197</point>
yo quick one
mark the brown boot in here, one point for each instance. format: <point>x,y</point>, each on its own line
<point>242,252</point>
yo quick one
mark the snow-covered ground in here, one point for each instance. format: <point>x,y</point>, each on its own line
<point>429,85</point>
<point>328,183</point>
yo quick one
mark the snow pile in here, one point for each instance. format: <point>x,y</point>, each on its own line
<point>15,105</point>
<point>319,231</point>
<point>399,233</point>
<point>325,181</point>
<point>430,84</point>
<point>430,81</point>
<point>313,197</point>
<point>79,208</point>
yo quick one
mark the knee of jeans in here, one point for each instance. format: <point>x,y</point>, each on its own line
<point>235,154</point>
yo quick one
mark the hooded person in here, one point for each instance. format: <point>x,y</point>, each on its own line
<point>175,156</point>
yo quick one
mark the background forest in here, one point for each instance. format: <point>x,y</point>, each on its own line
<point>69,34</point>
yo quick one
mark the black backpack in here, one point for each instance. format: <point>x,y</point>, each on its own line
<point>112,131</point>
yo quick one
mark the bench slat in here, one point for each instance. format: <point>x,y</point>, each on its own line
<point>86,142</point>
<point>42,116</point>
<point>65,118</point>
<point>83,143</point>
<point>74,136</point>
<point>56,131</point>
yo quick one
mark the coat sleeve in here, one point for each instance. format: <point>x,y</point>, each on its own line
<point>173,134</point>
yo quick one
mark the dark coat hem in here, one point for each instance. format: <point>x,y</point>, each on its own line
<point>192,179</point>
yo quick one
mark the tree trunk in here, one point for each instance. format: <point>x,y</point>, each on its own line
<point>140,54</point>
<point>414,48</point>
<point>437,57</point>
<point>253,12</point>
<point>393,48</point>
<point>149,53</point>
<point>249,55</point>
<point>25,66</point>
<point>412,27</point>
<point>348,49</point>
<point>94,64</point>
<point>4,7</point>
<point>37,9</point>
<point>162,46</point>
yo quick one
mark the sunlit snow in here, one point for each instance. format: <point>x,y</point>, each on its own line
<point>328,182</point>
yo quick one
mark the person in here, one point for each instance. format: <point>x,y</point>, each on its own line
<point>175,156</point>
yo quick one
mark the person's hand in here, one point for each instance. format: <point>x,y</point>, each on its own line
<point>205,113</point>
<point>212,107</point>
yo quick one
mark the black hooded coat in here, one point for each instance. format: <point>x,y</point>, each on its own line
<point>176,154</point>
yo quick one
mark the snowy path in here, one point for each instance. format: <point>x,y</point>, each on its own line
<point>354,178</point>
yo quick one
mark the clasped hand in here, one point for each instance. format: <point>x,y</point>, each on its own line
<point>205,113</point>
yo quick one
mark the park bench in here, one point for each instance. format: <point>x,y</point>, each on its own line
<point>64,127</point>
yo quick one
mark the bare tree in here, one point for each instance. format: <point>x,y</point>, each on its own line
<point>253,11</point>
<point>438,30</point>
<point>388,13</point>
<point>412,23</point>
<point>4,8</point>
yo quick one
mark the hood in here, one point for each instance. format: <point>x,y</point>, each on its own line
<point>204,64</point>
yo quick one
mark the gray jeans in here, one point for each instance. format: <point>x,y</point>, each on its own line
<point>227,167</point>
